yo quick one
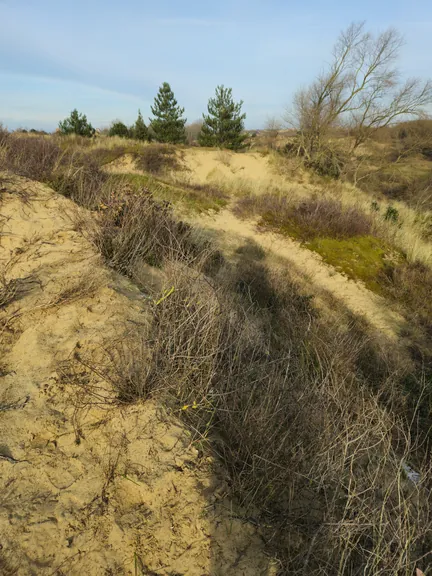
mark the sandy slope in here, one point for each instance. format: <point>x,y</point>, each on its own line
<point>90,489</point>
<point>213,164</point>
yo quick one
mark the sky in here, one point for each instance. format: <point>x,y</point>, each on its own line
<point>108,59</point>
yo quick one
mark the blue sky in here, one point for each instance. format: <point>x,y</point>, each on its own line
<point>108,58</point>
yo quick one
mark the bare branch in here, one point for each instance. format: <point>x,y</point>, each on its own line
<point>361,90</point>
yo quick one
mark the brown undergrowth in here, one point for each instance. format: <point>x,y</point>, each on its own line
<point>326,447</point>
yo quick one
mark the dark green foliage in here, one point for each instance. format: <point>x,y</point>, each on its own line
<point>224,125</point>
<point>76,124</point>
<point>140,131</point>
<point>392,214</point>
<point>168,126</point>
<point>119,129</point>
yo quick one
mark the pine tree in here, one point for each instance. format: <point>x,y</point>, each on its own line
<point>140,131</point>
<point>76,124</point>
<point>119,129</point>
<point>168,124</point>
<point>224,125</point>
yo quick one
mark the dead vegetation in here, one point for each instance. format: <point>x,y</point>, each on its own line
<point>319,435</point>
<point>285,403</point>
<point>134,227</point>
<point>411,284</point>
<point>360,91</point>
<point>310,218</point>
<point>157,158</point>
<point>313,452</point>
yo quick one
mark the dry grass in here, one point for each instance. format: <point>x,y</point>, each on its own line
<point>309,447</point>
<point>316,432</point>
<point>9,564</point>
<point>312,218</point>
<point>411,284</point>
<point>13,289</point>
<point>135,228</point>
<point>157,158</point>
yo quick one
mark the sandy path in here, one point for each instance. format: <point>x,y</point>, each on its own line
<point>354,295</point>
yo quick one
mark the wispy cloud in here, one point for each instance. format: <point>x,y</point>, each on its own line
<point>111,57</point>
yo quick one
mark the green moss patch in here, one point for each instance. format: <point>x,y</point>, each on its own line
<point>361,257</point>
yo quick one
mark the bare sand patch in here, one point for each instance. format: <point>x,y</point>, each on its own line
<point>87,488</point>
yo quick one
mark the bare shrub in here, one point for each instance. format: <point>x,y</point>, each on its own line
<point>415,136</point>
<point>314,217</point>
<point>192,132</point>
<point>71,173</point>
<point>32,157</point>
<point>304,440</point>
<point>115,374</point>
<point>80,178</point>
<point>360,91</point>
<point>157,158</point>
<point>134,227</point>
<point>411,284</point>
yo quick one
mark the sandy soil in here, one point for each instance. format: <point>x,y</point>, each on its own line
<point>89,488</point>
<point>208,165</point>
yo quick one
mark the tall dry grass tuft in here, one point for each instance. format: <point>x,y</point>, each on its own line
<point>157,158</point>
<point>411,284</point>
<point>31,157</point>
<point>313,217</point>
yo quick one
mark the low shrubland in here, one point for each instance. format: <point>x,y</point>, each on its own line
<point>309,423</point>
<point>307,219</point>
<point>76,169</point>
<point>322,427</point>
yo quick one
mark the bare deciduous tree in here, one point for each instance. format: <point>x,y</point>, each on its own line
<point>271,131</point>
<point>192,131</point>
<point>361,90</point>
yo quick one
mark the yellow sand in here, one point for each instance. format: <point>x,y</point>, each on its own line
<point>87,489</point>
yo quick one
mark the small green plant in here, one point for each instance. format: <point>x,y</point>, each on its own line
<point>140,130</point>
<point>391,215</point>
<point>375,206</point>
<point>76,124</point>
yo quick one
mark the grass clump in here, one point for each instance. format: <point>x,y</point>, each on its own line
<point>311,218</point>
<point>134,227</point>
<point>157,158</point>
<point>411,284</point>
<point>32,157</point>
